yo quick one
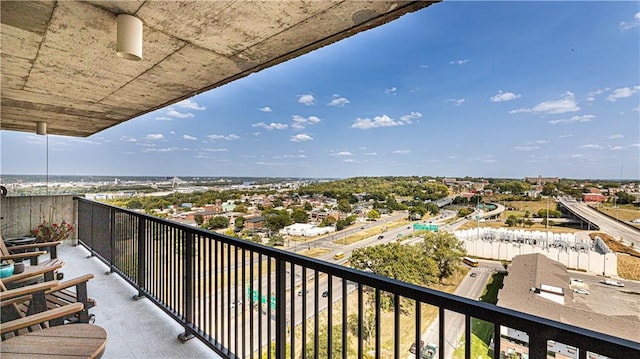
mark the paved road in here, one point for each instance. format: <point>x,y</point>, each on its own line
<point>606,224</point>
<point>470,287</point>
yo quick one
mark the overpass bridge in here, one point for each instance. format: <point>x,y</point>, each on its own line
<point>599,221</point>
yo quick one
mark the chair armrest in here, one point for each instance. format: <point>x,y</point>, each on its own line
<point>26,255</point>
<point>42,317</point>
<point>28,289</point>
<point>33,272</point>
<point>70,283</point>
<point>33,245</point>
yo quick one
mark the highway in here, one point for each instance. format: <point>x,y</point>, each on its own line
<point>607,225</point>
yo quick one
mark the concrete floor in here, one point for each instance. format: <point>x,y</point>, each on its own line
<point>136,329</point>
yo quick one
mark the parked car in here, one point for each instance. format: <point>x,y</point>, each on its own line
<point>473,274</point>
<point>430,351</point>
<point>300,292</point>
<point>325,294</point>
<point>612,282</point>
<point>581,291</point>
<point>413,347</point>
<point>380,236</point>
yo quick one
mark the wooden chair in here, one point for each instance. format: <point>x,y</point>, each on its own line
<point>30,299</point>
<point>17,254</point>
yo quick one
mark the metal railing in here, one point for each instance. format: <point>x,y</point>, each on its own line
<point>246,300</point>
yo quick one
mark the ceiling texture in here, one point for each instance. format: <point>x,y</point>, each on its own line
<point>59,63</point>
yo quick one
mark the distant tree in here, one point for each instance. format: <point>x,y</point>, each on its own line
<point>447,251</point>
<point>239,222</point>
<point>307,206</point>
<point>277,202</point>
<point>134,204</point>
<point>198,218</point>
<point>460,200</point>
<point>276,220</point>
<point>328,221</point>
<point>528,223</point>
<point>624,198</point>
<point>511,221</point>
<point>463,212</point>
<point>548,189</point>
<point>432,208</point>
<point>241,208</point>
<point>344,206</point>
<point>217,222</point>
<point>299,216</point>
<point>373,214</point>
<point>323,336</point>
<point>276,240</point>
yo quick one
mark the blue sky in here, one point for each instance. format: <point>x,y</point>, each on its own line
<point>484,89</point>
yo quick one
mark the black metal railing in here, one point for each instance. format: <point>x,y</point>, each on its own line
<point>245,300</point>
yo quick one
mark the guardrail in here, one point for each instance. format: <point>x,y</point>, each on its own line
<point>246,300</point>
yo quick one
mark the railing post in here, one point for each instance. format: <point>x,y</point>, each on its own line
<point>281,308</point>
<point>112,242</point>
<point>142,257</point>
<point>187,260</point>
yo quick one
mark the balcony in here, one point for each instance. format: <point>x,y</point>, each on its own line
<point>238,299</point>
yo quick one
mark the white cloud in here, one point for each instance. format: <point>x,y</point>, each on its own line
<point>576,155</point>
<point>294,156</point>
<point>401,152</point>
<point>458,62</point>
<point>265,109</point>
<point>379,121</point>
<point>154,136</point>
<point>307,99</point>
<point>553,107</point>
<point>300,122</point>
<point>525,148</point>
<point>424,66</point>
<point>573,119</point>
<point>458,101</point>
<point>615,137</point>
<point>591,96</point>
<point>222,149</point>
<point>344,153</point>
<point>163,118</point>
<point>390,91</point>
<point>592,147</point>
<point>190,138</point>
<point>348,160</point>
<point>338,101</point>
<point>271,126</point>
<point>504,96</point>
<point>128,139</point>
<point>190,104</point>
<point>173,113</point>
<point>371,154</point>
<point>633,24</point>
<point>301,137</point>
<point>271,163</point>
<point>411,116</point>
<point>615,148</point>
<point>230,137</point>
<point>622,92</point>
<point>565,136</point>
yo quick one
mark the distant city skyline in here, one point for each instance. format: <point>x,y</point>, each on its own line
<point>480,89</point>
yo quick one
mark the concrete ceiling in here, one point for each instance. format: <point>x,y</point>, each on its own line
<point>59,64</point>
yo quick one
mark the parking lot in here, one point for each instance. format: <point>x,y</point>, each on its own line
<point>607,299</point>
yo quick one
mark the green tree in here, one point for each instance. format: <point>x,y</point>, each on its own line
<point>198,218</point>
<point>240,207</point>
<point>548,189</point>
<point>432,208</point>
<point>368,323</point>
<point>239,222</point>
<point>217,222</point>
<point>344,206</point>
<point>447,250</point>
<point>528,223</point>
<point>336,344</point>
<point>463,212</point>
<point>276,220</point>
<point>299,216</point>
<point>624,198</point>
<point>328,221</point>
<point>134,204</point>
<point>511,221</point>
<point>307,206</point>
<point>373,214</point>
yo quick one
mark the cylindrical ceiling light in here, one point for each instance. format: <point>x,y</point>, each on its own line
<point>41,128</point>
<point>129,45</point>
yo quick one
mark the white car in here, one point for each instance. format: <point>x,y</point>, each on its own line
<point>612,282</point>
<point>581,291</point>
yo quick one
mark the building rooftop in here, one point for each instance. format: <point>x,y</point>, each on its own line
<point>535,271</point>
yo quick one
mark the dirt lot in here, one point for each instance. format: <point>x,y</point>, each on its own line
<point>628,261</point>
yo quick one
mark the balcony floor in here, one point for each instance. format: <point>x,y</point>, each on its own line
<point>136,328</point>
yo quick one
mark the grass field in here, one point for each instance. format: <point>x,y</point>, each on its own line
<point>366,233</point>
<point>626,213</point>
<point>535,227</point>
<point>628,258</point>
